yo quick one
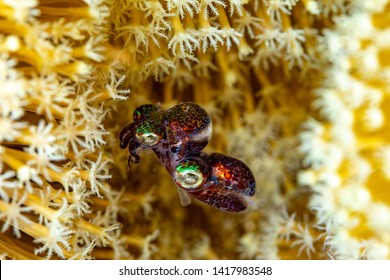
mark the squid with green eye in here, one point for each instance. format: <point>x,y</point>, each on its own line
<point>177,136</point>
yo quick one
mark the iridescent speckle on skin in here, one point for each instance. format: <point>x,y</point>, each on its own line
<point>145,112</point>
<point>188,128</point>
<point>177,136</point>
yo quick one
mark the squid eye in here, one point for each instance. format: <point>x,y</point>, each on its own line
<point>148,135</point>
<point>148,139</point>
<point>191,174</point>
<point>144,112</point>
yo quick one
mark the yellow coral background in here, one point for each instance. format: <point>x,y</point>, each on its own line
<point>298,90</point>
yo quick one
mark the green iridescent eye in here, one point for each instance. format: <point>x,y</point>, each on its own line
<point>148,135</point>
<point>144,112</point>
<point>191,173</point>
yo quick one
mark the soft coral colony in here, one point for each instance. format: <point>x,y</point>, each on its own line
<point>348,151</point>
<point>297,89</point>
<point>53,86</point>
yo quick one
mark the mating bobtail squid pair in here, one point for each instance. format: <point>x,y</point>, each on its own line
<point>177,136</point>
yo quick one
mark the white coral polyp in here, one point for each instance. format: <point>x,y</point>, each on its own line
<point>354,197</point>
<point>379,217</point>
<point>376,251</point>
<point>373,118</point>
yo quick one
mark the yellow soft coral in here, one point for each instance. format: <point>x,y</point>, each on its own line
<point>250,64</point>
<point>296,89</point>
<point>53,86</point>
<point>348,150</point>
